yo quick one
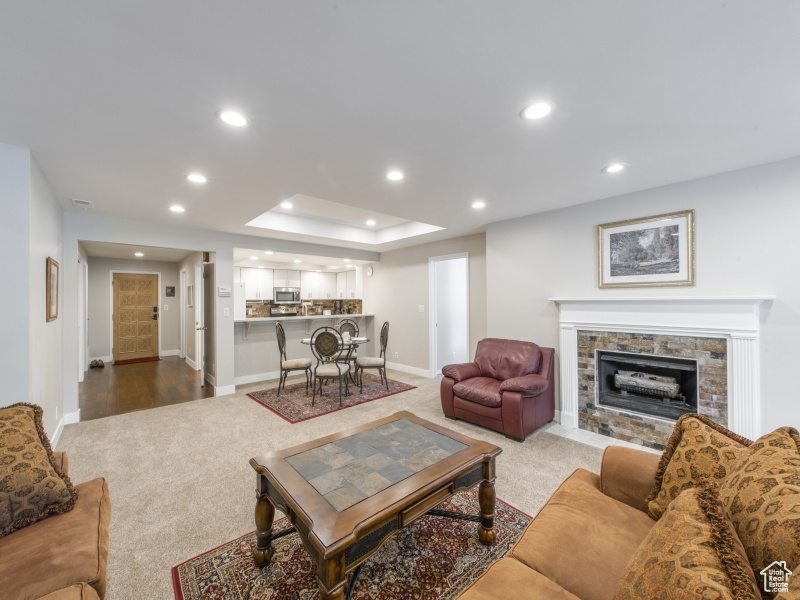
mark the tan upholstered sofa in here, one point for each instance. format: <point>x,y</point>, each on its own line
<point>578,546</point>
<point>62,557</point>
<point>716,516</point>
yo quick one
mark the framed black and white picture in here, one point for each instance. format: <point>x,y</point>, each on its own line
<point>647,252</point>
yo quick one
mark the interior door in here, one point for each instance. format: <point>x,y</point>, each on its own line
<point>450,312</point>
<point>135,316</point>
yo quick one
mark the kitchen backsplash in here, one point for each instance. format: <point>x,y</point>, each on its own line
<point>260,308</point>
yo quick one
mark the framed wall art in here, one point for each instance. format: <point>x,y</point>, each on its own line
<point>52,289</point>
<point>647,252</point>
<point>170,291</point>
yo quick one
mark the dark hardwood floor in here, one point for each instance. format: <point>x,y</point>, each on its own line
<point>114,390</point>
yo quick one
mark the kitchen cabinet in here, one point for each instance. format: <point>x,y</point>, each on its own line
<point>327,286</point>
<point>317,286</point>
<point>309,285</point>
<point>258,283</point>
<point>287,278</point>
<point>347,284</point>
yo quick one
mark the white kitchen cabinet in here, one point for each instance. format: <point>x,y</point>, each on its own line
<point>309,285</point>
<point>287,278</point>
<point>341,285</point>
<point>351,285</point>
<point>327,286</point>
<point>258,283</point>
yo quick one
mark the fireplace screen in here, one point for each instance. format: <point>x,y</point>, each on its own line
<point>661,386</point>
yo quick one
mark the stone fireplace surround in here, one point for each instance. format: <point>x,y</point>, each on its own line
<point>732,319</point>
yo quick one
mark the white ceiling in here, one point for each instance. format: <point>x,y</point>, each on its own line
<point>127,251</point>
<point>243,257</point>
<point>117,102</point>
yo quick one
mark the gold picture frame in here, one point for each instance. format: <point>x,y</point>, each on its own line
<point>52,289</point>
<point>647,252</point>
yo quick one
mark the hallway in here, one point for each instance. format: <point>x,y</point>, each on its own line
<point>114,390</point>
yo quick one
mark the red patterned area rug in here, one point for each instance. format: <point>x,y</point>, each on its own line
<point>434,558</point>
<point>294,406</point>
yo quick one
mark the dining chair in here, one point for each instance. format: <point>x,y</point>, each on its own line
<point>326,344</point>
<point>287,366</point>
<point>346,354</point>
<point>375,362</point>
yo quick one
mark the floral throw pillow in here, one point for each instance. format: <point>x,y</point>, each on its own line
<point>698,448</point>
<point>762,498</point>
<point>31,488</point>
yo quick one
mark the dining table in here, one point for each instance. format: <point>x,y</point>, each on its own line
<point>350,346</point>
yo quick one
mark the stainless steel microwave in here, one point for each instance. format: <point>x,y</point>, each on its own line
<point>285,295</point>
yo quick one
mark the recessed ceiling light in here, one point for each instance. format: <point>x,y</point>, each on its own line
<point>268,252</point>
<point>197,178</point>
<point>346,260</point>
<point>261,267</point>
<point>614,168</point>
<point>138,253</point>
<point>370,222</point>
<point>253,258</point>
<point>394,176</point>
<point>176,208</point>
<point>297,262</point>
<point>536,111</point>
<point>332,267</point>
<point>231,117</point>
<point>478,204</point>
<point>286,204</point>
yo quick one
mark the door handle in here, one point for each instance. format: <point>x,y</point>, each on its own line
<point>201,328</point>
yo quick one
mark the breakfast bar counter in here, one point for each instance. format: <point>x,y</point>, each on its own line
<point>335,318</point>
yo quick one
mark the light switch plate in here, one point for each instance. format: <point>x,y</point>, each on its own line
<point>166,307</point>
<point>421,308</point>
<point>226,312</point>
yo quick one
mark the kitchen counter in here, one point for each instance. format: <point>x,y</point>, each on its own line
<point>247,322</point>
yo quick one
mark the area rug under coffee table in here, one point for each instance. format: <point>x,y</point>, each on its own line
<point>294,406</point>
<point>433,558</point>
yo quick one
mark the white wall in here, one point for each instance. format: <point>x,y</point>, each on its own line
<point>30,232</point>
<point>100,302</point>
<point>401,283</point>
<point>16,302</point>
<point>747,243</point>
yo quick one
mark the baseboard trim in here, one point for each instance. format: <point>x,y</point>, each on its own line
<point>407,369</point>
<point>568,419</point>
<point>71,418</point>
<point>55,437</point>
<point>225,390</point>
<point>105,359</point>
<point>245,379</point>
<point>211,379</point>
<point>170,353</point>
<point>191,363</point>
<point>557,417</point>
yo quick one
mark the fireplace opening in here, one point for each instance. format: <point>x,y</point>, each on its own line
<point>661,386</point>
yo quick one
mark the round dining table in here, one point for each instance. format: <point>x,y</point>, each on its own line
<point>350,346</point>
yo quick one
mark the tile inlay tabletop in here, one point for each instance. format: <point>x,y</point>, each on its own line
<point>348,492</point>
<point>361,465</point>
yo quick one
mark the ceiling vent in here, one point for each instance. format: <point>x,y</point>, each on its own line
<point>84,204</point>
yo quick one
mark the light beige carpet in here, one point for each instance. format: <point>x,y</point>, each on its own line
<point>181,484</point>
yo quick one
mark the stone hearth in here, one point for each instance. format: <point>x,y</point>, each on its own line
<point>712,362</point>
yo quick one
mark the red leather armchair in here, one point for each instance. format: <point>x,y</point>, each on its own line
<point>509,387</point>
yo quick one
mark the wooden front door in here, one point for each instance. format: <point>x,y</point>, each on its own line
<point>135,316</point>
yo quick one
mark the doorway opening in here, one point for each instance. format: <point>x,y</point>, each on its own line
<point>449,310</point>
<point>121,327</point>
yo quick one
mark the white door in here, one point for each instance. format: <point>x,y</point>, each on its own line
<point>449,310</point>
<point>199,321</point>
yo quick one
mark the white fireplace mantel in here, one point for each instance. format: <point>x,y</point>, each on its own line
<point>735,318</point>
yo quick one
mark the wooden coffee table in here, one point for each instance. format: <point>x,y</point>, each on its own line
<point>346,493</point>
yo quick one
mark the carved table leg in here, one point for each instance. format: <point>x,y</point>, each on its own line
<point>265,514</point>
<point>331,578</point>
<point>486,499</point>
